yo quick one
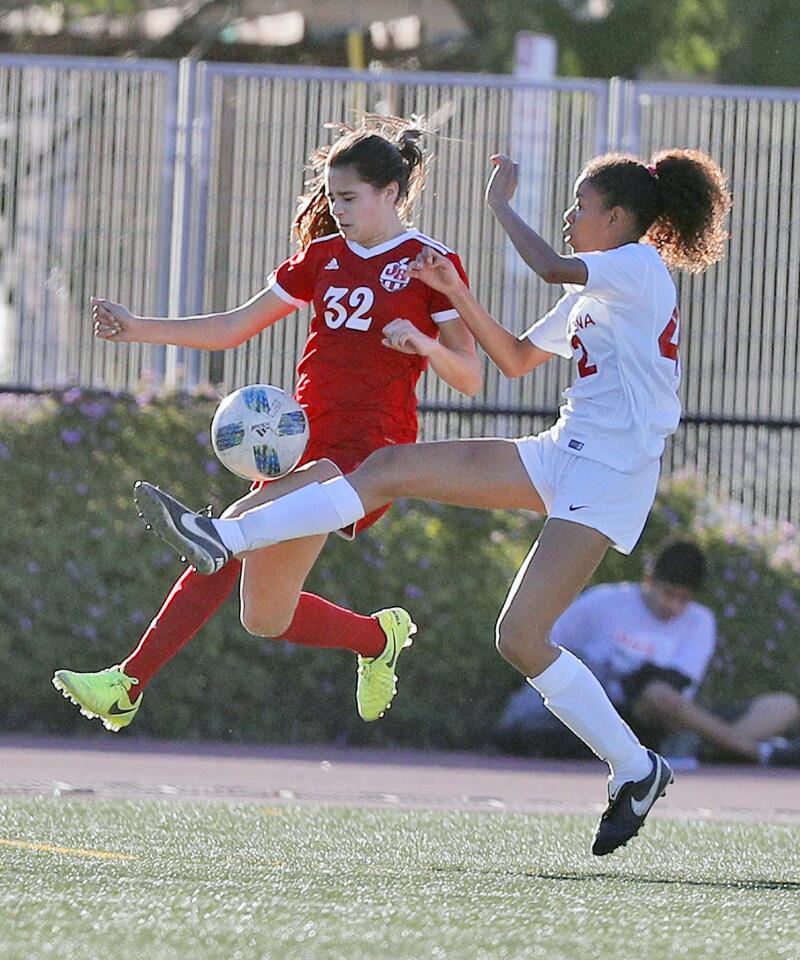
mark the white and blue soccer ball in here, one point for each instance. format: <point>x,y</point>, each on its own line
<point>259,432</point>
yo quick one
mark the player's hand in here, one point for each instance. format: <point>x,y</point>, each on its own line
<point>403,336</point>
<point>437,271</point>
<point>503,181</point>
<point>112,321</point>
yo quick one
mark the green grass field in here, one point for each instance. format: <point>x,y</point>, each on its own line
<point>166,879</point>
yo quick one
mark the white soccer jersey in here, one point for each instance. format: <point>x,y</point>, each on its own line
<point>622,328</point>
<point>613,629</point>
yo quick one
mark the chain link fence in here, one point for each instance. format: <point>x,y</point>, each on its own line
<point>171,187</point>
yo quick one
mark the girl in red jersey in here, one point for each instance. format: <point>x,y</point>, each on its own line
<point>374,330</point>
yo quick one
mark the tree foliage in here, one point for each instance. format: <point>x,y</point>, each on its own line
<point>731,41</point>
<point>727,41</point>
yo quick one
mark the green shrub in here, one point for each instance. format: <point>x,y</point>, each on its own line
<point>81,579</point>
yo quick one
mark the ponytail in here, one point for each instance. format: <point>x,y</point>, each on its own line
<point>689,232</point>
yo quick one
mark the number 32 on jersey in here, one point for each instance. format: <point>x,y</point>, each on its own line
<point>348,308</point>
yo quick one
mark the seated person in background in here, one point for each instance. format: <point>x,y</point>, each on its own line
<point>650,644</point>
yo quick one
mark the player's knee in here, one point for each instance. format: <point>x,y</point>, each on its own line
<point>376,473</point>
<point>319,471</point>
<point>786,707</point>
<point>657,699</point>
<point>266,624</point>
<point>516,639</point>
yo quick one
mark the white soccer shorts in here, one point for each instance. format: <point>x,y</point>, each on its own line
<point>590,493</point>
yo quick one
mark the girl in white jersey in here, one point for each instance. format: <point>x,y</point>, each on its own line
<point>594,473</point>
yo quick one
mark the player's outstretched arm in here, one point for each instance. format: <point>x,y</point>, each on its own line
<point>513,356</point>
<point>534,250</point>
<point>213,331</point>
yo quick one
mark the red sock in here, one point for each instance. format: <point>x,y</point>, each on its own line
<point>320,623</point>
<point>191,603</point>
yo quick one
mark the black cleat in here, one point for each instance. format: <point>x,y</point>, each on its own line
<point>191,534</point>
<point>627,809</point>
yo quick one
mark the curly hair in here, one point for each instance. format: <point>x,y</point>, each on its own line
<point>382,150</point>
<point>679,198</point>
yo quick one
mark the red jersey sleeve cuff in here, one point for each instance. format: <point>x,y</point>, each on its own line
<point>278,290</point>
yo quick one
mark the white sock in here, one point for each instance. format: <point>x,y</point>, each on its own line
<point>574,694</point>
<point>313,509</point>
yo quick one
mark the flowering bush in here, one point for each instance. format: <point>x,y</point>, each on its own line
<point>81,579</point>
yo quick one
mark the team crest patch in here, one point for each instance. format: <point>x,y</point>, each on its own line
<point>395,276</point>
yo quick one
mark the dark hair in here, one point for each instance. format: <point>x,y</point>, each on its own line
<point>381,150</point>
<point>679,198</point>
<point>680,563</point>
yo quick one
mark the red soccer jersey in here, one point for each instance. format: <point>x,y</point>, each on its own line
<point>350,384</point>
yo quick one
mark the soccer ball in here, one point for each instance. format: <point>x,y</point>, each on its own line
<point>259,432</point>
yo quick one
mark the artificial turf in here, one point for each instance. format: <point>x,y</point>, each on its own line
<point>215,881</point>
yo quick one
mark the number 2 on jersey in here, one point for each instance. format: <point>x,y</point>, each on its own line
<point>360,300</point>
<point>585,369</point>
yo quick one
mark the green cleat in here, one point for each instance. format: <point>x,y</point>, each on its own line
<point>377,680</point>
<point>103,695</point>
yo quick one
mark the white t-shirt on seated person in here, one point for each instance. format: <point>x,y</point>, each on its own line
<point>622,329</point>
<point>613,629</point>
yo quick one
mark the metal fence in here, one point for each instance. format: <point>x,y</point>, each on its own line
<point>171,187</point>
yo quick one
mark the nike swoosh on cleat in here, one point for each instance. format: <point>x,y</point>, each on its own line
<point>393,661</point>
<point>640,807</point>
<point>583,506</point>
<point>114,711</point>
<point>189,522</point>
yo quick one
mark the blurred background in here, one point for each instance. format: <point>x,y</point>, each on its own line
<point>152,153</point>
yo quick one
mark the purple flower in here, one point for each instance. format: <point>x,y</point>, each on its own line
<point>202,439</point>
<point>33,567</point>
<point>671,517</point>
<point>25,623</point>
<point>412,591</point>
<point>729,611</point>
<point>137,617</point>
<point>212,467</point>
<point>95,410</point>
<point>71,437</point>
<point>95,612</point>
<point>81,489</point>
<point>5,453</point>
<point>728,575</point>
<point>787,601</point>
<point>72,395</point>
<point>780,625</point>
